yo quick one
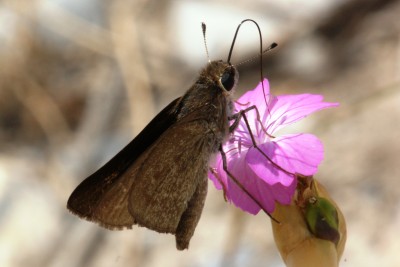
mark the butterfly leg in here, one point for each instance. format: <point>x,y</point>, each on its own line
<point>215,173</point>
<point>236,181</point>
<point>242,114</point>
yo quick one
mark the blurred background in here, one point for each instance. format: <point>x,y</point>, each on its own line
<point>79,79</point>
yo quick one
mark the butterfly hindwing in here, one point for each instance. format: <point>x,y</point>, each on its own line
<point>161,194</point>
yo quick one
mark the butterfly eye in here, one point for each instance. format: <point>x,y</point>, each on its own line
<point>228,78</point>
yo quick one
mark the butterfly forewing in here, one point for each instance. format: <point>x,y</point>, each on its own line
<point>102,197</point>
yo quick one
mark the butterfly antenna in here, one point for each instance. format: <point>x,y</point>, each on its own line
<point>269,48</point>
<point>203,27</point>
<point>260,55</point>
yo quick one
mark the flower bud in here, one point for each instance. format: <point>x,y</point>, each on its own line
<point>311,230</point>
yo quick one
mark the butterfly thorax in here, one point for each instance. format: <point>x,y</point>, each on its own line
<point>210,98</point>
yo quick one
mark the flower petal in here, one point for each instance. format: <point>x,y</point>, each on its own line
<point>287,109</point>
<point>236,194</point>
<point>265,193</point>
<point>254,97</point>
<point>294,153</point>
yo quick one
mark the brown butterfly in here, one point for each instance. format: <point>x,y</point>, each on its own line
<point>159,180</point>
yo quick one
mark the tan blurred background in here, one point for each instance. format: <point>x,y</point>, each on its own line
<point>79,79</point>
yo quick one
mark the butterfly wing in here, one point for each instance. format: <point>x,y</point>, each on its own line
<point>102,197</point>
<point>191,216</point>
<point>172,177</point>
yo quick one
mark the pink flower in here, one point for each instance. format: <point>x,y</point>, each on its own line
<point>269,177</point>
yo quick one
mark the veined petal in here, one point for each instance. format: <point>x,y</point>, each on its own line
<point>304,152</point>
<point>294,153</point>
<point>220,177</point>
<point>236,194</point>
<point>287,109</point>
<point>232,191</point>
<point>254,97</point>
<point>266,193</point>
